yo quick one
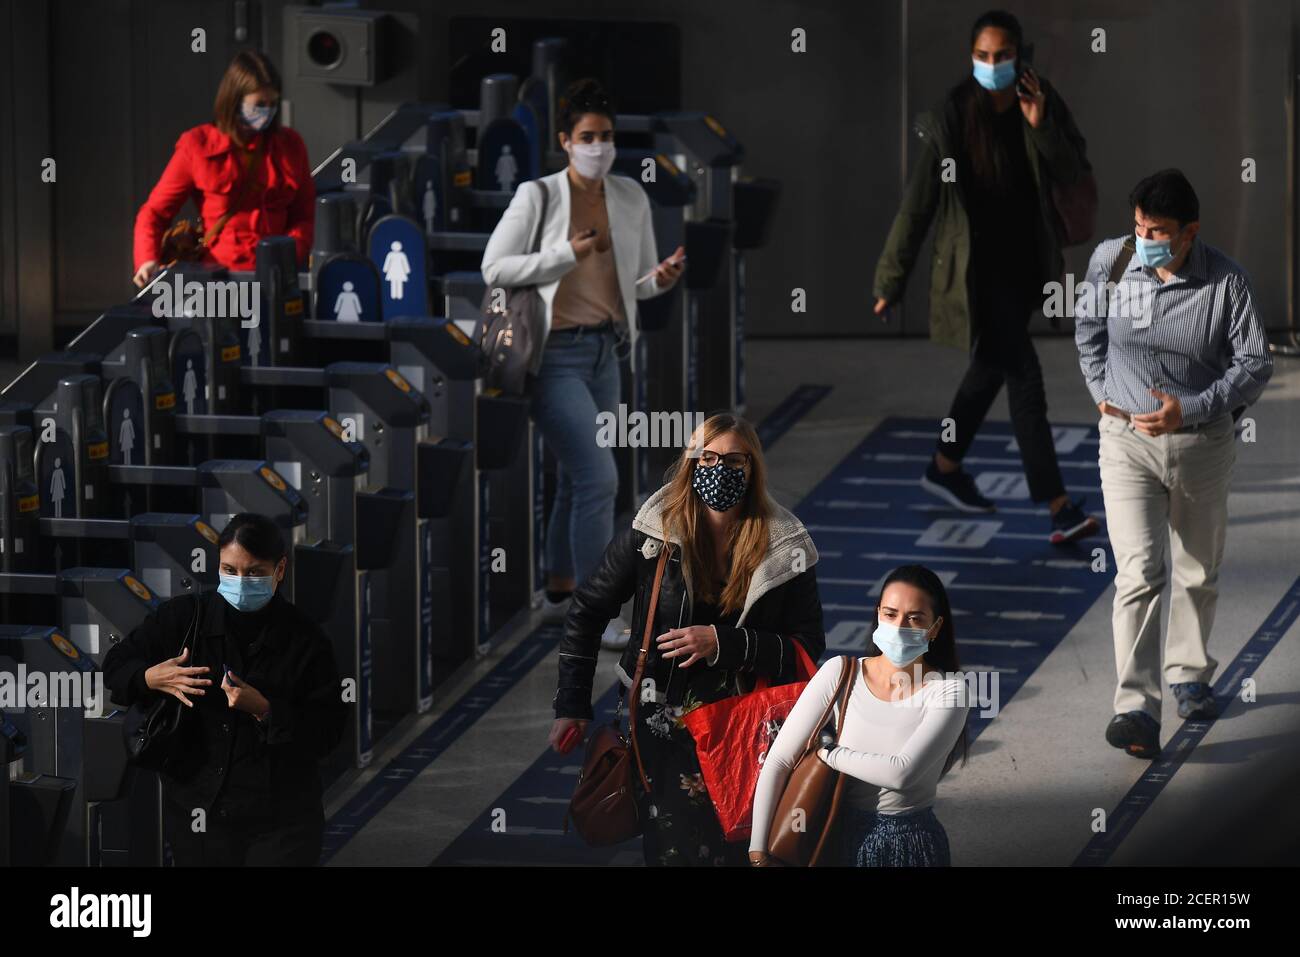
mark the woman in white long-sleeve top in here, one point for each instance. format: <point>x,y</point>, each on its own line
<point>906,723</point>
<point>596,258</point>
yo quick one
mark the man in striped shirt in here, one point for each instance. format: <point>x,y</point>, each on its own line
<point>1172,352</point>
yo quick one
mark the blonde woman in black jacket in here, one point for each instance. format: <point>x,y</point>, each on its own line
<point>738,591</point>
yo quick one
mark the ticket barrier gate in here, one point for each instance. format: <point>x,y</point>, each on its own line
<point>74,478</point>
<point>225,488</point>
<point>332,569</point>
<point>33,808</point>
<point>711,156</point>
<point>374,406</point>
<point>139,405</point>
<point>73,734</point>
<point>440,361</point>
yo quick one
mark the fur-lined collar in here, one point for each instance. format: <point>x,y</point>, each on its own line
<point>790,549</point>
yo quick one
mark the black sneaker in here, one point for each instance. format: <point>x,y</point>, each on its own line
<point>1070,523</point>
<point>956,488</point>
<point>1195,700</point>
<point>1136,732</point>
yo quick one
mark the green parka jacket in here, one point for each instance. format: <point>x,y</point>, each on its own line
<point>1055,148</point>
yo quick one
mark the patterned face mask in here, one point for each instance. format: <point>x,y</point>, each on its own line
<point>719,487</point>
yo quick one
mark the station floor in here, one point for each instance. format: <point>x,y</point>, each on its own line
<point>1040,775</point>
<point>444,787</point>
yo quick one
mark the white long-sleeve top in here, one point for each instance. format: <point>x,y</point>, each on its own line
<point>892,751</point>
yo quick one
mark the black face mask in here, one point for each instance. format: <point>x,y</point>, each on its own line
<point>720,486</point>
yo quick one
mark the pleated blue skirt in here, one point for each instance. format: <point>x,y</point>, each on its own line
<point>910,839</point>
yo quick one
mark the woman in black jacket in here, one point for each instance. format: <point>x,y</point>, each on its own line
<point>738,591</point>
<point>263,704</point>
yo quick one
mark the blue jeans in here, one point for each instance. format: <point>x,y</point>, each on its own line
<point>578,378</point>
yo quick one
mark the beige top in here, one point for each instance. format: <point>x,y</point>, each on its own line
<point>588,293</point>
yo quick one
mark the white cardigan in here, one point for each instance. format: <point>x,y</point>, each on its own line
<point>507,261</point>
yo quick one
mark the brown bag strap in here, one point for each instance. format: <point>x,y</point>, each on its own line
<point>640,663</point>
<point>244,185</point>
<point>845,692</point>
<point>846,676</point>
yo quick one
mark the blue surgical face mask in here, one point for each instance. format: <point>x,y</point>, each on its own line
<point>900,645</point>
<point>257,117</point>
<point>247,592</point>
<point>995,76</point>
<point>1154,252</point>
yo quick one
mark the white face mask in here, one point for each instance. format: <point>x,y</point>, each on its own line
<point>592,160</point>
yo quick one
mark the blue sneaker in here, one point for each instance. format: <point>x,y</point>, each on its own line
<point>1070,523</point>
<point>956,488</point>
<point>1195,700</point>
<point>1136,732</point>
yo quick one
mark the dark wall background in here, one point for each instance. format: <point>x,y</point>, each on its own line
<point>105,87</point>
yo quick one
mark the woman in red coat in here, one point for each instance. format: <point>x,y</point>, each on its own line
<point>214,159</point>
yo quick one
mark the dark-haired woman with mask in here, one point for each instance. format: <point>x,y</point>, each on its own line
<point>906,722</point>
<point>989,156</point>
<point>263,705</point>
<point>738,592</point>
<point>248,173</point>
<point>596,258</point>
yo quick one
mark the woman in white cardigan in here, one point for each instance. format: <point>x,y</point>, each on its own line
<point>597,241</point>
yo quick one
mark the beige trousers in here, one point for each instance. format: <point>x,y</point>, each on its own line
<point>1167,515</point>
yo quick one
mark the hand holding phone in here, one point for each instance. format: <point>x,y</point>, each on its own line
<point>583,242</point>
<point>675,261</point>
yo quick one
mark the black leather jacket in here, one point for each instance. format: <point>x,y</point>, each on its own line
<point>783,607</point>
<point>293,667</point>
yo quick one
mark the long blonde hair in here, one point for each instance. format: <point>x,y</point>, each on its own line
<point>683,511</point>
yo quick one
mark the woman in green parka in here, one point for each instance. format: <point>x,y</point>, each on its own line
<point>989,157</point>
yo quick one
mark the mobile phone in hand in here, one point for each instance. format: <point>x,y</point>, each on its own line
<point>1026,66</point>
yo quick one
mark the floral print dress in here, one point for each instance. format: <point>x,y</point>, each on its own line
<point>682,826</point>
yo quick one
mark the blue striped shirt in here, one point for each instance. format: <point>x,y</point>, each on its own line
<point>1196,337</point>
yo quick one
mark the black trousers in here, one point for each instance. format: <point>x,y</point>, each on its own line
<point>295,840</point>
<point>1004,353</point>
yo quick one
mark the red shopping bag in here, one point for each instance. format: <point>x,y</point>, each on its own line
<point>731,740</point>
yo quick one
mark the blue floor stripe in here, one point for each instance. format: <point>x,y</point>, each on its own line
<point>492,687</point>
<point>1176,751</point>
<point>1014,597</point>
<point>781,419</point>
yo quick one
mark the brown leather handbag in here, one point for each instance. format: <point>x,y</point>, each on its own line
<point>185,241</point>
<point>604,807</point>
<point>813,788</point>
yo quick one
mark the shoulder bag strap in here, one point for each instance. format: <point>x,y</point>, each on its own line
<point>251,176</point>
<point>1120,264</point>
<point>192,633</point>
<point>541,222</point>
<point>640,662</point>
<point>846,691</point>
<point>846,677</point>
